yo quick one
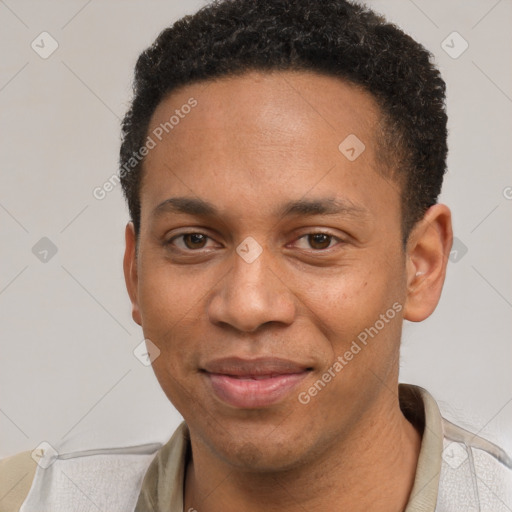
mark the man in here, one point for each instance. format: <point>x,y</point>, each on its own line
<point>282,162</point>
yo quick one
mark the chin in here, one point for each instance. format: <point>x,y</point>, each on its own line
<point>266,459</point>
<point>258,452</point>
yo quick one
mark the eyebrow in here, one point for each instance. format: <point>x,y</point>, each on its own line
<point>304,207</point>
<point>187,205</point>
<point>324,206</point>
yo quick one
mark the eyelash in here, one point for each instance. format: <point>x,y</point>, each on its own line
<point>306,235</point>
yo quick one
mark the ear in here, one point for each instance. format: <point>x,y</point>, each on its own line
<point>130,270</point>
<point>427,254</point>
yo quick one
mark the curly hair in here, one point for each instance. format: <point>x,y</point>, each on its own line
<point>337,38</point>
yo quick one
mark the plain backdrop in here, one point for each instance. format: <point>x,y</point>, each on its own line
<point>67,369</point>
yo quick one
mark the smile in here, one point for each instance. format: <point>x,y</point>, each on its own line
<point>251,384</point>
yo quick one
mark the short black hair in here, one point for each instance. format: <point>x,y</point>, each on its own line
<point>337,38</point>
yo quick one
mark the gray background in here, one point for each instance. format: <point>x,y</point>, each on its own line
<point>67,371</point>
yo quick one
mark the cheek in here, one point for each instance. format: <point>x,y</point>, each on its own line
<point>358,312</point>
<point>344,304</point>
<point>170,306</point>
<point>166,294</point>
<point>360,317</point>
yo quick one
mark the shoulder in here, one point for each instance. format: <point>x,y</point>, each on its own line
<point>92,479</point>
<point>474,471</point>
<point>457,469</point>
<point>16,478</point>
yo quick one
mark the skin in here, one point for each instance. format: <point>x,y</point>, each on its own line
<point>253,143</point>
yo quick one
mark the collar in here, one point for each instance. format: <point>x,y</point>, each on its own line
<point>163,484</point>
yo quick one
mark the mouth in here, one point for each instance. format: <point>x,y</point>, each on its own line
<point>254,383</point>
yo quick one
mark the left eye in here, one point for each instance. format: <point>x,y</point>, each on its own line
<point>190,241</point>
<point>318,241</point>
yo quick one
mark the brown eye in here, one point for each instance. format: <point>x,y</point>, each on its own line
<point>194,240</point>
<point>319,240</point>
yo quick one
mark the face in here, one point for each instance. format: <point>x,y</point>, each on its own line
<point>270,270</point>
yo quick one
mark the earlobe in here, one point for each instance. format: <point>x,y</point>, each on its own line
<point>130,270</point>
<point>427,254</point>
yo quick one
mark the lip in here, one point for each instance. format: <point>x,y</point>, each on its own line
<point>253,383</point>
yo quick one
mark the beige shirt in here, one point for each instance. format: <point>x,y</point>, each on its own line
<point>457,471</point>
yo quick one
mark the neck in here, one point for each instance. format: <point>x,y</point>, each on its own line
<point>371,469</point>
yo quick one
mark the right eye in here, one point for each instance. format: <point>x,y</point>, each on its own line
<point>190,241</point>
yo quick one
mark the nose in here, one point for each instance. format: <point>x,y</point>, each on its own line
<point>251,295</point>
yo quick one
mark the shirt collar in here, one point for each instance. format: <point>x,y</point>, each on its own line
<point>427,417</point>
<point>163,484</point>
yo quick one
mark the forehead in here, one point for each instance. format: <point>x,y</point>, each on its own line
<point>265,134</point>
<point>270,105</point>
